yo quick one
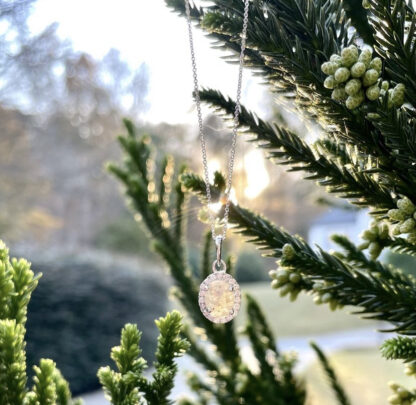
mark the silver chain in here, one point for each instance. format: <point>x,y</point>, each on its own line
<point>236,122</point>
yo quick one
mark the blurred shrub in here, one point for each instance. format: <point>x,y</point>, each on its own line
<point>125,236</point>
<point>79,307</point>
<point>251,267</point>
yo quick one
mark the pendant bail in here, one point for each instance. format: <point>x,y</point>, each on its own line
<point>218,243</point>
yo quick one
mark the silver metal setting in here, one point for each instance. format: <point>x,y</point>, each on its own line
<point>233,287</point>
<point>219,266</point>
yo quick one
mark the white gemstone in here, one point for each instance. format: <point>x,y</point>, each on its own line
<point>219,297</point>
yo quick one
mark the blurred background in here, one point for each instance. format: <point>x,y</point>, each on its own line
<point>69,72</point>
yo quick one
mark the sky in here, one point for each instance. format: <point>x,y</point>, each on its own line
<point>147,31</point>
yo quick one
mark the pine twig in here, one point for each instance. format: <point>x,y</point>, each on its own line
<point>332,377</point>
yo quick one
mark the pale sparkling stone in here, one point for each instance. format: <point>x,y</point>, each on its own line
<point>221,301</point>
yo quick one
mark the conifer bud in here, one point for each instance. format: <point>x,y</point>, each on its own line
<point>365,56</point>
<point>329,82</point>
<point>294,294</point>
<point>326,297</point>
<point>373,92</point>
<point>366,4</point>
<point>368,235</point>
<point>329,68</point>
<point>288,252</point>
<point>396,214</point>
<point>411,238</point>
<point>374,250</point>
<point>349,56</point>
<point>410,369</point>
<point>339,94</point>
<point>282,276</point>
<point>352,87</point>
<point>373,116</point>
<point>341,75</point>
<point>336,59</point>
<point>286,289</point>
<point>358,69</point>
<point>396,230</point>
<point>405,205</point>
<point>397,98</point>
<point>385,85</point>
<point>376,64</point>
<point>355,101</point>
<point>370,77</point>
<point>273,274</point>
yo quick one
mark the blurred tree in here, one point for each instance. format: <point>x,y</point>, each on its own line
<point>70,104</point>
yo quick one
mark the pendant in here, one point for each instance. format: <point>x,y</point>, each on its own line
<point>219,294</point>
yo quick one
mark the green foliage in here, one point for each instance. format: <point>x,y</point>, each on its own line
<point>231,380</point>
<point>88,300</point>
<point>12,362</point>
<point>347,283</point>
<point>17,282</point>
<point>128,385</point>
<point>332,377</point>
<point>365,155</point>
<point>399,348</point>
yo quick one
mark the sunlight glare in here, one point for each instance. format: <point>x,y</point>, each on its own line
<point>213,166</point>
<point>256,174</point>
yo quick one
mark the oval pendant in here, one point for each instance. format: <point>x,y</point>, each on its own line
<point>219,297</point>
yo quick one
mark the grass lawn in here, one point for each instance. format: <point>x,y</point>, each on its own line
<point>301,317</point>
<point>363,374</point>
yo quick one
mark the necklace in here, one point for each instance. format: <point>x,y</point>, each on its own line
<point>219,294</point>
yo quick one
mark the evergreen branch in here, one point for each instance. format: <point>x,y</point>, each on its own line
<point>165,178</point>
<point>376,297</point>
<point>126,356</point>
<point>63,393</point>
<point>277,387</point>
<point>357,258</point>
<point>200,354</point>
<point>169,343</point>
<point>214,366</point>
<point>24,282</point>
<point>206,256</point>
<point>44,388</point>
<point>258,320</point>
<point>291,40</point>
<point>235,382</point>
<point>401,245</point>
<point>168,240</point>
<point>178,213</point>
<point>400,347</point>
<point>12,362</point>
<point>125,387</point>
<point>395,23</point>
<point>169,346</point>
<point>287,148</point>
<point>201,388</point>
<point>332,377</point>
<point>359,18</point>
<point>6,281</point>
<point>268,384</point>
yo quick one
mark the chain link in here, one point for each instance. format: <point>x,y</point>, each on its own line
<point>237,110</point>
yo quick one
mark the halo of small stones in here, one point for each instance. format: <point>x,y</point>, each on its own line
<point>233,285</point>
